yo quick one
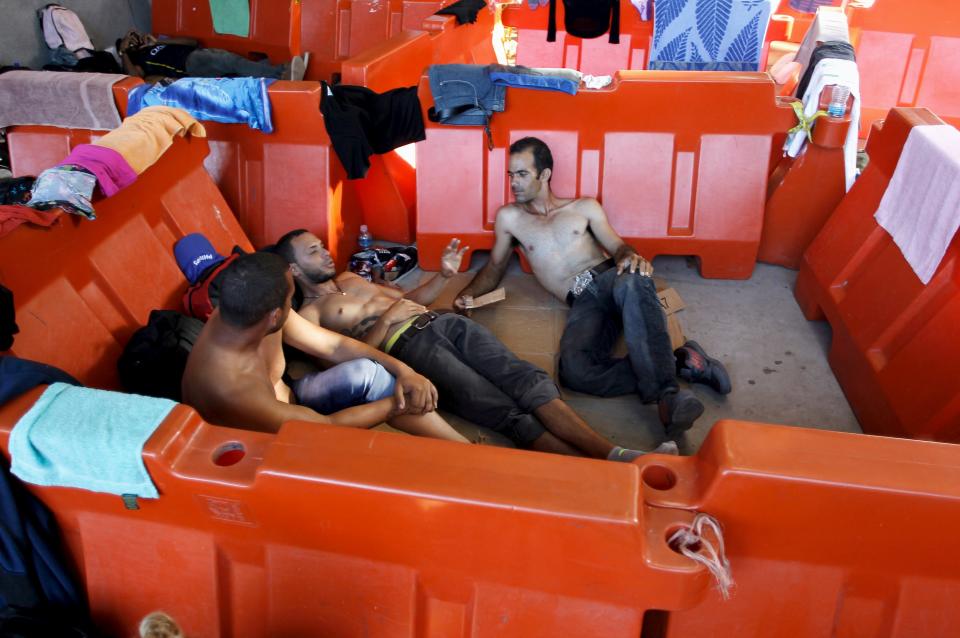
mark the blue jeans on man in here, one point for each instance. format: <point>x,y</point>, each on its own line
<point>609,305</point>
<point>343,386</point>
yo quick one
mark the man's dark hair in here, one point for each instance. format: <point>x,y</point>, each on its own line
<point>251,287</point>
<point>542,157</point>
<point>284,245</point>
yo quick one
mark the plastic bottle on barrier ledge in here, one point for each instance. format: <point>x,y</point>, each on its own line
<point>838,100</point>
<point>365,240</point>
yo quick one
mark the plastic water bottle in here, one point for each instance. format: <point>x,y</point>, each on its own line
<point>838,100</point>
<point>365,239</point>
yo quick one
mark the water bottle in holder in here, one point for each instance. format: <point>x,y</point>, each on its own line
<point>365,240</point>
<point>838,100</point>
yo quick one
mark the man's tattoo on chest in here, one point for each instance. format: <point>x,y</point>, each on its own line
<point>362,327</point>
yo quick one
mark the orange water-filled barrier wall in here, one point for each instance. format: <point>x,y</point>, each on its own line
<point>274,182</point>
<point>387,195</point>
<point>595,56</point>
<point>274,27</point>
<point>331,30</point>
<point>895,349</point>
<point>679,161</point>
<point>803,192</point>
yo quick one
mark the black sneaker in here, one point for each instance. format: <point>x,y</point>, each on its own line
<point>678,410</point>
<point>694,366</point>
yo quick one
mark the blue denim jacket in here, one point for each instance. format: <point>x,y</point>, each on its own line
<point>464,85</point>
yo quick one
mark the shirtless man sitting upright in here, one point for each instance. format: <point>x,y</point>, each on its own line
<point>478,377</point>
<point>567,242</point>
<point>234,375</point>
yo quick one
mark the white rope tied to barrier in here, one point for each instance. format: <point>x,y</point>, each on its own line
<point>685,539</point>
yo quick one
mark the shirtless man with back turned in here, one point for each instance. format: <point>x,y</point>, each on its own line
<point>234,375</point>
<point>478,377</point>
<point>567,242</point>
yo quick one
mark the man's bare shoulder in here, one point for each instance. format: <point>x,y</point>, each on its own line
<point>507,215</point>
<point>587,206</point>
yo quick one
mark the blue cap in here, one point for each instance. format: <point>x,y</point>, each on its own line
<point>194,254</point>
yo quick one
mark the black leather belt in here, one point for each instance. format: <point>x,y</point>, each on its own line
<point>594,272</point>
<point>411,331</point>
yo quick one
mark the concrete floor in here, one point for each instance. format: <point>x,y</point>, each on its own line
<point>777,360</point>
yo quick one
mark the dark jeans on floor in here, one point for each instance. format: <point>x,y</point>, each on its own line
<point>612,303</point>
<point>217,63</point>
<point>478,378</point>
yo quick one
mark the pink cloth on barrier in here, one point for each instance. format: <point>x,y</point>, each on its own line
<point>921,207</point>
<point>112,171</point>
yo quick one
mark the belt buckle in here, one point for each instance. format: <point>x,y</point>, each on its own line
<point>581,282</point>
<point>424,320</point>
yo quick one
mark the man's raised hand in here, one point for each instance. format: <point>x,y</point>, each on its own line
<point>451,258</point>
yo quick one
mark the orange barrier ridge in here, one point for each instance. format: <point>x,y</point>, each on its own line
<point>678,160</point>
<point>895,349</point>
<point>288,179</point>
<point>387,196</point>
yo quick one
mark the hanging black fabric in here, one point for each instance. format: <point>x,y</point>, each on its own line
<point>8,319</point>
<point>586,19</point>
<point>464,10</point>
<point>361,122</point>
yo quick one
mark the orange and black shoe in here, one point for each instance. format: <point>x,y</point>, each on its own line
<point>694,366</point>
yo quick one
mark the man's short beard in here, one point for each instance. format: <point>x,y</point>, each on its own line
<point>321,276</point>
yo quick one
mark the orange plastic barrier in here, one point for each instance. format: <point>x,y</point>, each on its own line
<point>76,310</point>
<point>678,160</point>
<point>594,56</point>
<point>387,196</point>
<point>274,26</point>
<point>895,348</point>
<point>331,30</point>
<point>828,534</point>
<point>288,179</point>
<point>802,193</point>
<point>909,55</point>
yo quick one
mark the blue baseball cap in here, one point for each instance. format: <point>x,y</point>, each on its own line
<point>194,254</point>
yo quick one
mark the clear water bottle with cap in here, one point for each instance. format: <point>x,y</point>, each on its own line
<point>365,239</point>
<point>838,100</point>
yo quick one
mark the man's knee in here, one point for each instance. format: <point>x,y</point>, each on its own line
<point>369,380</point>
<point>633,282</point>
<point>574,370</point>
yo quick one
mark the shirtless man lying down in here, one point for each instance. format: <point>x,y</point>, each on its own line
<point>477,376</point>
<point>235,372</point>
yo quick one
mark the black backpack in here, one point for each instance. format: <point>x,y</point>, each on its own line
<point>586,19</point>
<point>153,362</point>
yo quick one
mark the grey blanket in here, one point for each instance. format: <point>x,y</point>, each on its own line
<point>68,100</point>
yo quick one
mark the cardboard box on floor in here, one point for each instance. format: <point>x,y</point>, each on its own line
<point>671,303</point>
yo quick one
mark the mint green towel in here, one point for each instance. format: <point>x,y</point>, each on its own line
<point>86,438</point>
<point>231,17</point>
